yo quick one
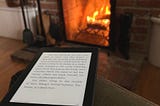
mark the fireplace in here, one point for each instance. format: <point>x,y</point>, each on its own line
<point>89,21</point>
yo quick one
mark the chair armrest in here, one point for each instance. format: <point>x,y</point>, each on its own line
<point>108,93</point>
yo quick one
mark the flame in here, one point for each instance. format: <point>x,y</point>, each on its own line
<point>97,16</point>
<point>93,18</point>
<point>108,11</point>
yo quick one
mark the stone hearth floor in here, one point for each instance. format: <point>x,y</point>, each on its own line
<point>121,71</point>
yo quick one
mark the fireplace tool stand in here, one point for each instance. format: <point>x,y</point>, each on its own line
<point>27,53</point>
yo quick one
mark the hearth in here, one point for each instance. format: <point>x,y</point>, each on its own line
<point>89,22</point>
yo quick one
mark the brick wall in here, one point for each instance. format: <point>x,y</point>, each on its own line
<point>140,31</point>
<point>142,11</point>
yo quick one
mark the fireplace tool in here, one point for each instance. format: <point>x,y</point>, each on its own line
<point>40,37</point>
<point>27,33</point>
<point>34,44</point>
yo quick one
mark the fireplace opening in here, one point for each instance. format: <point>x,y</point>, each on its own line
<point>89,21</point>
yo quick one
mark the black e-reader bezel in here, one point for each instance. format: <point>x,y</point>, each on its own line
<point>89,91</point>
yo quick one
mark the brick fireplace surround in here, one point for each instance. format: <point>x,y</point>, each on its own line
<point>142,11</point>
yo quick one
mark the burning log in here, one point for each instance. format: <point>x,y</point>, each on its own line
<point>95,32</point>
<point>100,17</point>
<point>96,26</point>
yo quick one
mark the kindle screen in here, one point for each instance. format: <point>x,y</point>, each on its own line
<point>56,78</point>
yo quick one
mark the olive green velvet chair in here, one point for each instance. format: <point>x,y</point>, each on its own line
<point>108,93</point>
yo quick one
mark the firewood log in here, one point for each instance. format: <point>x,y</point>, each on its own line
<point>100,17</point>
<point>46,23</point>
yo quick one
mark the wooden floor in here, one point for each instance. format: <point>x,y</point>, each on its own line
<point>7,66</point>
<point>148,84</point>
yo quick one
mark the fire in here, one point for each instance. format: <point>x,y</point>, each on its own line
<point>100,16</point>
